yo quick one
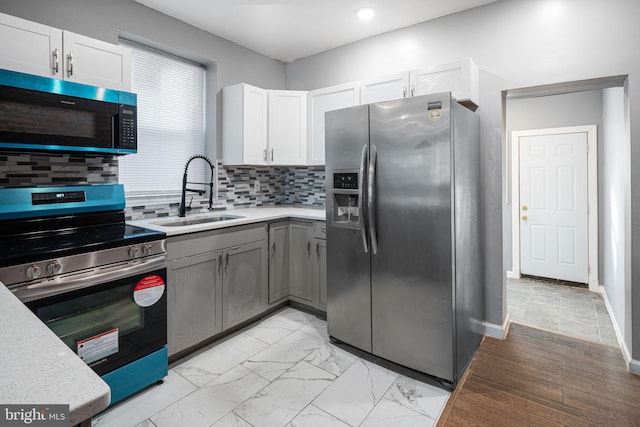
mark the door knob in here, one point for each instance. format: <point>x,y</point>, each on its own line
<point>524,217</point>
<point>525,207</point>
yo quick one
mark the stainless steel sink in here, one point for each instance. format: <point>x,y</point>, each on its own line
<point>194,221</point>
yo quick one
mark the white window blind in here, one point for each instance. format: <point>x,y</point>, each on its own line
<point>170,123</point>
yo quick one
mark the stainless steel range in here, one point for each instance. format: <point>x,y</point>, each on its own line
<point>95,281</point>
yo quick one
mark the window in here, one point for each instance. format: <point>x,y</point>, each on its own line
<point>171,127</point>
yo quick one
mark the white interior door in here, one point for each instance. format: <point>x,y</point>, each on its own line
<point>554,229</point>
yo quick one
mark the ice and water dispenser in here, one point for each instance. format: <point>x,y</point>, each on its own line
<point>346,203</point>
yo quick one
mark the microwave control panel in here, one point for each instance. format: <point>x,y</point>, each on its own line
<point>127,133</point>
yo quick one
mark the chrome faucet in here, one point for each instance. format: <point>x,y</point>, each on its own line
<point>182,210</point>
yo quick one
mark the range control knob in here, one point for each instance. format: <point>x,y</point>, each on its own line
<point>33,272</point>
<point>146,249</point>
<point>54,267</point>
<point>134,252</point>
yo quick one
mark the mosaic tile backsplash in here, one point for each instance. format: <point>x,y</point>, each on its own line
<point>236,185</point>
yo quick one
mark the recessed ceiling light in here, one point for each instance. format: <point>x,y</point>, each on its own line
<point>366,13</point>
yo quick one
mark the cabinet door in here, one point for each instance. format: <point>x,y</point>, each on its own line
<point>321,101</point>
<point>386,88</point>
<point>302,277</point>
<point>28,47</point>
<point>254,125</point>
<point>244,125</point>
<point>278,262</point>
<point>96,63</point>
<point>194,300</point>
<point>287,127</point>
<point>459,77</point>
<point>244,288</point>
<point>321,272</point>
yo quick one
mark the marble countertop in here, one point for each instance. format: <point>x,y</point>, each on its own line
<point>38,368</point>
<point>248,216</point>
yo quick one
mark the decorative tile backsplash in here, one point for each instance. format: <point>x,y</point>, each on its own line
<point>236,184</point>
<point>25,170</point>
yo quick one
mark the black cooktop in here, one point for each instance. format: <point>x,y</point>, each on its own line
<point>24,243</point>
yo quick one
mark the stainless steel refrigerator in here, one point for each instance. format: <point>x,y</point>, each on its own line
<point>403,252</point>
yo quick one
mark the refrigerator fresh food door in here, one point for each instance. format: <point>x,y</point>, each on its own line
<point>348,264</point>
<point>410,208</point>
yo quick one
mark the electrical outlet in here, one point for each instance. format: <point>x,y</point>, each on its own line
<point>256,185</point>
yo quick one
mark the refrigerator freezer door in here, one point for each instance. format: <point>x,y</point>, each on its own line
<point>412,312</point>
<point>348,265</point>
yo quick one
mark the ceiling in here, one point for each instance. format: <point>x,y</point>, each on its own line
<point>291,29</point>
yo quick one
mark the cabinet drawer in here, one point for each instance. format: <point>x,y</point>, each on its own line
<point>207,241</point>
<point>320,230</point>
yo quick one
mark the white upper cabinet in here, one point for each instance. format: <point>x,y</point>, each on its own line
<point>29,47</point>
<point>387,88</point>
<point>459,77</point>
<point>95,62</point>
<point>287,128</point>
<point>321,101</point>
<point>244,125</point>
<point>32,48</point>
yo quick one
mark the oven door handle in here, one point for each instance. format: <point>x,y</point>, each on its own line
<point>87,278</point>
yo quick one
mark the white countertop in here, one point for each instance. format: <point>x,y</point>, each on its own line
<point>249,216</point>
<point>38,368</point>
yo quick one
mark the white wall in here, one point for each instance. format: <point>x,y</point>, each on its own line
<point>614,208</point>
<point>528,42</point>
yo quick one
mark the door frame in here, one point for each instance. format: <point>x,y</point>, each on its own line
<point>592,195</point>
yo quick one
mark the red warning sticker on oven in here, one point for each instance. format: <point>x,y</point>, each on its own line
<point>149,290</point>
<point>98,346</point>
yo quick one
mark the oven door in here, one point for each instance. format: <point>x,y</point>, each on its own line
<point>111,323</point>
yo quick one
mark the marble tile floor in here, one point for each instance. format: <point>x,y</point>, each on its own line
<point>567,310</point>
<point>281,371</point>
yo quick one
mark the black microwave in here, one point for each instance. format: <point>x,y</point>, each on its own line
<point>43,114</point>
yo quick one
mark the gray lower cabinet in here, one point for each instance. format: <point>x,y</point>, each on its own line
<point>194,300</point>
<point>279,264</point>
<point>301,285</point>
<point>308,281</point>
<point>216,279</point>
<point>321,267</point>
<point>244,282</point>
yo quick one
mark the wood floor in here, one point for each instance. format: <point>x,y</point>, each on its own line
<point>537,378</point>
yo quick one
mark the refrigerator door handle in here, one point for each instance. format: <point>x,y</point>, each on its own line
<point>371,190</point>
<point>364,158</point>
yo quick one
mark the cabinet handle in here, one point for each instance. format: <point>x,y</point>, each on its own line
<point>56,61</point>
<point>220,265</point>
<point>226,262</point>
<point>308,249</point>
<point>272,154</point>
<point>273,251</point>
<point>413,91</point>
<point>264,154</point>
<point>70,64</point>
<point>404,92</point>
<point>317,250</point>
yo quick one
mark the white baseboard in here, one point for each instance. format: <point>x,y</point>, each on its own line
<point>633,366</point>
<point>497,331</point>
<point>512,275</point>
